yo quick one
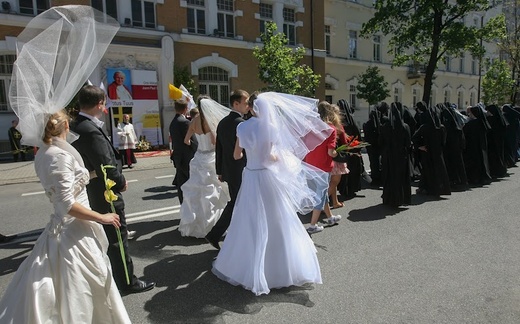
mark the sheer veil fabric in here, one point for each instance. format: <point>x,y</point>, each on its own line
<point>56,53</point>
<point>294,128</point>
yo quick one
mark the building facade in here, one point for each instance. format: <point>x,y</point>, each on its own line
<point>213,39</point>
<point>349,55</point>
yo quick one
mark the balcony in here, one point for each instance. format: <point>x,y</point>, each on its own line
<point>416,71</point>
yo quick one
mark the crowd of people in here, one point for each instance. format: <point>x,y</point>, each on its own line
<point>283,150</point>
<point>445,149</point>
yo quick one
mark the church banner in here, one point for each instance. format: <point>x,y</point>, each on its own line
<point>134,93</point>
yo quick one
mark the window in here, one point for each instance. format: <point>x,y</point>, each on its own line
<point>226,18</point>
<point>6,69</point>
<point>196,17</point>
<point>474,65</point>
<point>214,81</point>
<point>327,39</point>
<point>353,96</point>
<point>460,99</point>
<point>143,14</point>
<point>447,95</point>
<point>289,25</point>
<point>33,7</point>
<point>448,63</point>
<point>397,94</point>
<point>328,99</point>
<point>415,96</point>
<point>472,98</point>
<point>107,6</point>
<point>266,14</point>
<point>377,48</point>
<point>352,44</point>
<point>461,64</point>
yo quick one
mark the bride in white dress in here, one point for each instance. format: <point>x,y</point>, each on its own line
<point>205,197</point>
<point>267,245</point>
<point>67,278</point>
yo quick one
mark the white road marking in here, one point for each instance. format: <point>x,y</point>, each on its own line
<point>155,215</point>
<point>133,180</point>
<point>33,193</point>
<point>165,176</point>
<point>172,211</point>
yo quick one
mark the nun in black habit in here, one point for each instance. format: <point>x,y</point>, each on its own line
<point>371,130</point>
<point>476,152</point>
<point>454,122</point>
<point>430,139</point>
<point>351,183</point>
<point>496,139</point>
<point>511,137</point>
<point>395,150</point>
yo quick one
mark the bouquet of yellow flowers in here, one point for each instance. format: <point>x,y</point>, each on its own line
<point>110,197</point>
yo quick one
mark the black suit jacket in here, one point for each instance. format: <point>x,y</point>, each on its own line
<point>182,153</point>
<point>96,150</point>
<point>226,166</point>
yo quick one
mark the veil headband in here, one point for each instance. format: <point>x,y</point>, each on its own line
<point>56,53</point>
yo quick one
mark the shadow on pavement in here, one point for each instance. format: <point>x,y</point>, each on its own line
<point>24,242</point>
<point>194,295</point>
<point>162,193</point>
<point>373,213</point>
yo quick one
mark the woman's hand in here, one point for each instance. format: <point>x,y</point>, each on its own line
<point>110,219</point>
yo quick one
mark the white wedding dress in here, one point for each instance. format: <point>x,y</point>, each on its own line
<point>204,195</point>
<point>267,245</point>
<point>67,278</point>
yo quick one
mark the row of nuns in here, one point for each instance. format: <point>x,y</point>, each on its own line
<point>442,147</point>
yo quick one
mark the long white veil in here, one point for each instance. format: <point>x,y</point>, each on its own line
<point>294,128</point>
<point>56,53</point>
<point>213,112</point>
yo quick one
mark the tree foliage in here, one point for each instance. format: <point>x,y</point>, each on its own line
<point>424,31</point>
<point>372,86</point>
<point>510,44</point>
<point>497,83</point>
<point>280,66</point>
<point>182,75</point>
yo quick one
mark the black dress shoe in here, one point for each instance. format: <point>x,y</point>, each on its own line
<point>139,286</point>
<point>213,243</point>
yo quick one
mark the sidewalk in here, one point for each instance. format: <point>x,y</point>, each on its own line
<point>21,172</point>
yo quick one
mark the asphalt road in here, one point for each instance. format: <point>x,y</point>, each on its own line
<point>453,260</point>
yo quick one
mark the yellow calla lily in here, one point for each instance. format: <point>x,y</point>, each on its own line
<point>110,196</point>
<point>110,183</point>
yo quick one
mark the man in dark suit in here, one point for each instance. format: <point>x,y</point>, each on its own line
<point>182,153</point>
<point>228,169</point>
<point>96,150</point>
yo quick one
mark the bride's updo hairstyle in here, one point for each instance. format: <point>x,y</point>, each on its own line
<point>56,125</point>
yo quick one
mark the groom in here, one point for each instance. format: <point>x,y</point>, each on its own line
<point>228,169</point>
<point>96,150</point>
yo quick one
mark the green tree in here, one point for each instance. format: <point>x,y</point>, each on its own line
<point>510,44</point>
<point>182,75</point>
<point>279,65</point>
<point>497,83</point>
<point>424,31</point>
<point>372,86</point>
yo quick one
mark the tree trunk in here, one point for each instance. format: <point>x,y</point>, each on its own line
<point>432,61</point>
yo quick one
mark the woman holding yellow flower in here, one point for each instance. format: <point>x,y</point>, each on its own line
<point>67,278</point>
